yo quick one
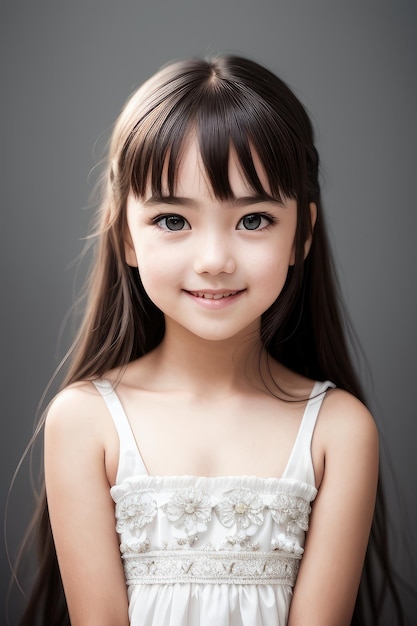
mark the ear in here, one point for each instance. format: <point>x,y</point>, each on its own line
<point>313,218</point>
<point>130,254</point>
<point>309,240</point>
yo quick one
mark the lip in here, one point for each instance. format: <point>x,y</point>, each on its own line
<point>214,298</point>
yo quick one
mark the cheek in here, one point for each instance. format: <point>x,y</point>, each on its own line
<point>275,282</point>
<point>153,274</point>
<point>151,260</point>
<point>270,263</point>
<point>157,272</point>
<point>271,273</point>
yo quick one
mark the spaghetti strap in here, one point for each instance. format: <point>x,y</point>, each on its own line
<point>300,463</point>
<point>130,458</point>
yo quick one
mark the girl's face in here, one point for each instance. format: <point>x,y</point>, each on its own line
<point>212,267</point>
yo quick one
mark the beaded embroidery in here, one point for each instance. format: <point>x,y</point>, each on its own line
<point>134,511</point>
<point>292,510</point>
<point>241,508</point>
<point>196,566</point>
<point>189,510</point>
<point>236,557</point>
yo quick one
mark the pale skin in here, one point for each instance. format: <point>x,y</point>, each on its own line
<point>196,402</point>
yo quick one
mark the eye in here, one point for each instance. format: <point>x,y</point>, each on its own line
<point>254,221</point>
<point>172,222</point>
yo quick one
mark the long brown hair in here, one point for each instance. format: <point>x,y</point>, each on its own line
<point>227,101</point>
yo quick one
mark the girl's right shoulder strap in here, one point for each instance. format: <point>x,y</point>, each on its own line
<point>130,460</point>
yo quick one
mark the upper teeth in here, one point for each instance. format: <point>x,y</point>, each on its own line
<point>213,296</point>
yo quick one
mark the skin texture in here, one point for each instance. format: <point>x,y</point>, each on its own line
<point>212,252</point>
<point>197,401</point>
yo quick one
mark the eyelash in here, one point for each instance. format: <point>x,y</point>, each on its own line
<point>266,216</point>
<point>160,218</point>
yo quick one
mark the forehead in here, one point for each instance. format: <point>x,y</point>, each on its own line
<point>192,177</point>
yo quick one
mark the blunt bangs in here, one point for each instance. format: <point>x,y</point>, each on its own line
<point>226,106</point>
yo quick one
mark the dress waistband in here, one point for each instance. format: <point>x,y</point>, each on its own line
<point>211,567</point>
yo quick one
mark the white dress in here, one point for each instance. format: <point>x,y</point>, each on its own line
<point>211,551</point>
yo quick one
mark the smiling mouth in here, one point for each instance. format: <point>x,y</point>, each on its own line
<point>213,296</point>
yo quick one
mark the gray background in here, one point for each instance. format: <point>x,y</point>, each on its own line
<point>67,69</point>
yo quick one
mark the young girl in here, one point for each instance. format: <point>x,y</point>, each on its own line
<point>209,461</point>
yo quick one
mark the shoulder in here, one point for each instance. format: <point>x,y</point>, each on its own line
<point>76,409</point>
<point>346,434</point>
<point>73,400</point>
<point>343,415</point>
<point>79,431</point>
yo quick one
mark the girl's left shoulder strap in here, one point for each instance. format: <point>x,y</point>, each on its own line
<point>300,465</point>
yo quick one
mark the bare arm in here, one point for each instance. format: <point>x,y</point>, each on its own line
<point>330,571</point>
<point>82,511</point>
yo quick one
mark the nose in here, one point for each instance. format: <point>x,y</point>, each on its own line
<point>214,255</point>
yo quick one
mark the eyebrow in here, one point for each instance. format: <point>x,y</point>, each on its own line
<point>191,203</point>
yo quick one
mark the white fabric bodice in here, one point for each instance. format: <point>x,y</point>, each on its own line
<point>221,551</point>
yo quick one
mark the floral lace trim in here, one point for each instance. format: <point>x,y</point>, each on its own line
<point>196,566</point>
<point>190,510</point>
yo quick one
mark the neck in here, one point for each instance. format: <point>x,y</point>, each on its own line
<point>209,367</point>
